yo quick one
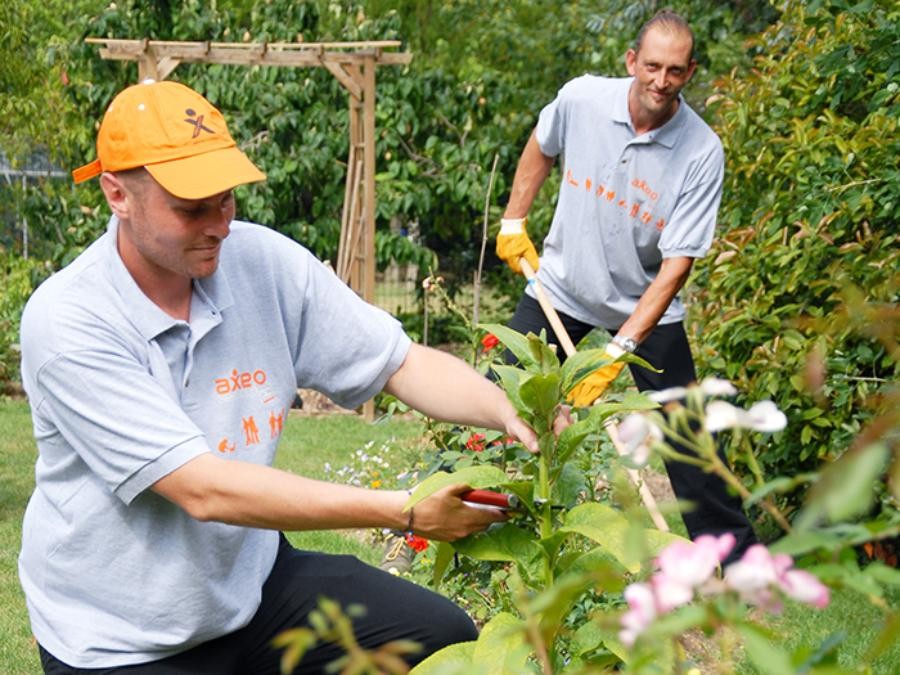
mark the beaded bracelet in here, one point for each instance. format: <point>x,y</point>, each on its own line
<point>409,525</point>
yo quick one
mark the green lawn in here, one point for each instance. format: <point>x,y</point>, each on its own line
<point>309,445</point>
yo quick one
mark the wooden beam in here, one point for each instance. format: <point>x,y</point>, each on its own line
<point>296,54</point>
<point>346,79</point>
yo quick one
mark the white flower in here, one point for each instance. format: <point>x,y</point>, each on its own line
<point>721,415</point>
<point>714,386</point>
<point>636,431</point>
<point>667,395</point>
<point>762,416</point>
<point>765,416</point>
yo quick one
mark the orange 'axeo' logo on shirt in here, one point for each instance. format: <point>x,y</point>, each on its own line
<point>245,380</point>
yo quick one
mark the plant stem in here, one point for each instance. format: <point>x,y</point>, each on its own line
<point>724,472</point>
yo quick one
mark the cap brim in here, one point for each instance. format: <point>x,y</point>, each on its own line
<point>205,175</point>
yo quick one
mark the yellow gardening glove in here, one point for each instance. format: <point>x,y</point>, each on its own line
<point>592,387</point>
<point>513,243</point>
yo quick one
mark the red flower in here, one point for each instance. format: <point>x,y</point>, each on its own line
<point>475,443</point>
<point>417,544</point>
<point>489,341</point>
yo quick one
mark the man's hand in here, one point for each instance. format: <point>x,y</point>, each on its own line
<point>518,429</point>
<point>444,516</point>
<point>513,243</point>
<point>592,387</point>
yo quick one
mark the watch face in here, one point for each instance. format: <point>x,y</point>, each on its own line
<point>626,343</point>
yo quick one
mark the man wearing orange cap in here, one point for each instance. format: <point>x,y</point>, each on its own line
<point>157,366</point>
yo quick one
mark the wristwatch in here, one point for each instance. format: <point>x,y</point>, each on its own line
<point>626,343</point>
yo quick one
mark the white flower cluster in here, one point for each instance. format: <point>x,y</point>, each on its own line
<point>639,431</point>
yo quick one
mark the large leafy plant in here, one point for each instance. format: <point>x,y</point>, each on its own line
<point>560,546</point>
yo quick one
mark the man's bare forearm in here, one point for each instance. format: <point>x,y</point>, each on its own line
<point>531,172</point>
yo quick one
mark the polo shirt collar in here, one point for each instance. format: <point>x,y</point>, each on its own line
<point>668,134</point>
<point>146,315</point>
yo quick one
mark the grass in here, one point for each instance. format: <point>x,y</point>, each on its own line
<point>308,446</point>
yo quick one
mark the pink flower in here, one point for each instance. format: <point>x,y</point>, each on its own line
<point>802,586</point>
<point>641,612</point>
<point>692,563</point>
<point>758,572</point>
<point>670,593</point>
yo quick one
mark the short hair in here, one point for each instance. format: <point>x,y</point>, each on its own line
<point>669,20</point>
<point>134,179</point>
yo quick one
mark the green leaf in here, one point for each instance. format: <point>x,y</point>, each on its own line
<point>568,485</point>
<point>608,572</point>
<point>553,604</point>
<point>511,378</point>
<point>632,401</point>
<point>506,542</point>
<point>442,559</point>
<point>887,639</point>
<point>455,659</point>
<point>610,529</point>
<point>581,364</point>
<point>764,652</point>
<point>846,488</point>
<point>514,341</point>
<point>501,648</point>
<point>541,394</point>
<point>477,477</point>
<point>571,437</point>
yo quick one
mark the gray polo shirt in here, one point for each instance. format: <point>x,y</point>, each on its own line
<point>122,394</point>
<point>625,201</point>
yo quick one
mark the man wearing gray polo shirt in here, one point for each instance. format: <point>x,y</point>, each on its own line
<point>641,184</point>
<point>160,366</point>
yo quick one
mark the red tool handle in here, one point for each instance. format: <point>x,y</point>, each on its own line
<point>490,498</point>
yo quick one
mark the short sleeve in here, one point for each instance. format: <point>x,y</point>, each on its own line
<point>550,132</point>
<point>692,223</point>
<point>119,420</point>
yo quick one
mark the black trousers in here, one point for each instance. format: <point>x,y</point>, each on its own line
<point>395,609</point>
<point>715,511</point>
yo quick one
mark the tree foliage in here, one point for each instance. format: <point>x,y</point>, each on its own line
<point>799,298</point>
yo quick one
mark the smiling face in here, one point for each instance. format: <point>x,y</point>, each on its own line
<point>661,68</point>
<point>166,241</point>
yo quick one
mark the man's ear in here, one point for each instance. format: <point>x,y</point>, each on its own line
<point>117,195</point>
<point>691,68</point>
<point>631,61</point>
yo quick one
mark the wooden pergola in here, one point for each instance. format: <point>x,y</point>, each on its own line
<point>353,64</point>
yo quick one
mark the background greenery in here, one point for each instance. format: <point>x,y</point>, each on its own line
<point>798,301</point>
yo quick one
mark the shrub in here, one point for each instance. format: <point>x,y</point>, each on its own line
<point>798,300</point>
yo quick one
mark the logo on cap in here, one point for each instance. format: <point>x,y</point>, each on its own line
<point>197,123</point>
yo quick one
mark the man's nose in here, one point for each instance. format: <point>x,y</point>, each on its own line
<point>661,79</point>
<point>219,223</point>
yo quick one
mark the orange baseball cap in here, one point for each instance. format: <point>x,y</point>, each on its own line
<point>177,135</point>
